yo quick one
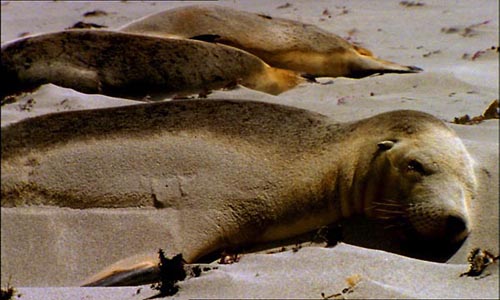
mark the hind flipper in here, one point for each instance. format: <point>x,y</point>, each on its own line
<point>364,66</point>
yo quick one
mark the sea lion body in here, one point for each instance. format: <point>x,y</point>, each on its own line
<point>133,66</point>
<point>246,172</point>
<point>279,42</point>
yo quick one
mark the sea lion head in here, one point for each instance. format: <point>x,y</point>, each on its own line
<point>425,180</point>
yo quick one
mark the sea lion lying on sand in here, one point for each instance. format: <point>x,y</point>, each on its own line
<point>281,43</point>
<point>249,172</point>
<point>134,66</point>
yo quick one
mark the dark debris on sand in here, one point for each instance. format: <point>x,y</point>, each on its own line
<point>171,271</point>
<point>479,260</point>
<point>84,25</point>
<point>95,13</point>
<point>491,112</point>
<point>9,292</point>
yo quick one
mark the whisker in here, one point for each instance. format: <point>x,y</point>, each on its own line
<point>384,218</point>
<point>390,226</point>
<point>384,208</point>
<point>391,214</point>
<point>390,205</point>
<point>403,225</point>
<point>396,212</point>
<point>388,201</point>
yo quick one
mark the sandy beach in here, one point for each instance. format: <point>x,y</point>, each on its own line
<point>46,252</point>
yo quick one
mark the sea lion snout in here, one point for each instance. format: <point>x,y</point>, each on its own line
<point>430,222</point>
<point>456,228</point>
<point>441,212</point>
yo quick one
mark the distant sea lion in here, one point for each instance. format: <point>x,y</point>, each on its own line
<point>244,172</point>
<point>133,66</point>
<point>280,42</point>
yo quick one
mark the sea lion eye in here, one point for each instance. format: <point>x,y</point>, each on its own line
<point>414,165</point>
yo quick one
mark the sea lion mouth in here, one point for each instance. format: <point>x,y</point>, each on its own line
<point>394,216</point>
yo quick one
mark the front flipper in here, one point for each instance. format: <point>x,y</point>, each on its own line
<point>138,270</point>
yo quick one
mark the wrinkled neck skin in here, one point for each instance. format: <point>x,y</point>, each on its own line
<point>361,173</point>
<point>356,179</point>
<point>332,188</point>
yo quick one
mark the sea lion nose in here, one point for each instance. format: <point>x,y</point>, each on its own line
<point>456,228</point>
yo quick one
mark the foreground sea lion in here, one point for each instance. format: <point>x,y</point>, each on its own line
<point>249,172</point>
<point>280,42</point>
<point>133,66</point>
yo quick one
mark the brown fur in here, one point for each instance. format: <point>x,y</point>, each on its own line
<point>134,66</point>
<point>280,42</point>
<point>242,172</point>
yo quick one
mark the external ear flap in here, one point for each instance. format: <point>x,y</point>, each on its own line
<point>385,145</point>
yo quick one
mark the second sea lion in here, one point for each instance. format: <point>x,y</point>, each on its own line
<point>133,66</point>
<point>281,43</point>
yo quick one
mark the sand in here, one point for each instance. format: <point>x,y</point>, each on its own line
<point>46,252</point>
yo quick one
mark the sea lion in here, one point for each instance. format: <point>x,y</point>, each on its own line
<point>280,42</point>
<point>247,172</point>
<point>133,66</point>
